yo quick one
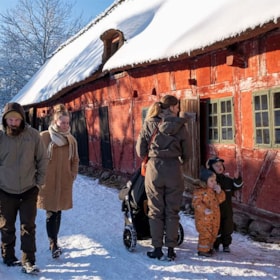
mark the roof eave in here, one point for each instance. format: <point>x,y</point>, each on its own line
<point>246,35</point>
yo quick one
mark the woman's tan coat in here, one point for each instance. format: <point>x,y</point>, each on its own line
<point>57,192</point>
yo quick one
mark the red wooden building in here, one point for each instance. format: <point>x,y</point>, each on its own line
<point>224,66</point>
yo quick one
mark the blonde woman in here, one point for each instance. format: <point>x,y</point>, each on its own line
<point>62,170</point>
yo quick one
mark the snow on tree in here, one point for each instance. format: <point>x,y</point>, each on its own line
<point>29,34</point>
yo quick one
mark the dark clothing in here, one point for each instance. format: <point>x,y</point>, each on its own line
<point>170,142</point>
<point>10,204</point>
<point>53,224</point>
<point>164,180</point>
<point>229,186</point>
<point>164,192</point>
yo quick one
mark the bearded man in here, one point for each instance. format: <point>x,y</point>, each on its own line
<point>23,163</point>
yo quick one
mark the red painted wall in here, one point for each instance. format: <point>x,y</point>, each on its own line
<point>126,94</point>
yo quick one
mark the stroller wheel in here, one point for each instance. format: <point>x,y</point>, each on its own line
<point>180,237</point>
<point>181,234</point>
<point>129,238</point>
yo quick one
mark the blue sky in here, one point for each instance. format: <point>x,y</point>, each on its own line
<point>89,8</point>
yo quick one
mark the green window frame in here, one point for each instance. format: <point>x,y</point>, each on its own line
<point>266,110</point>
<point>221,121</point>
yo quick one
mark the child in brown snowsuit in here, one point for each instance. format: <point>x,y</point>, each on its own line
<point>206,199</point>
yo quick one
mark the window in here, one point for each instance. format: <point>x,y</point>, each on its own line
<point>267,118</point>
<point>112,40</point>
<point>221,121</point>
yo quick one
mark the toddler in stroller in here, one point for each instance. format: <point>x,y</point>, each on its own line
<point>134,206</point>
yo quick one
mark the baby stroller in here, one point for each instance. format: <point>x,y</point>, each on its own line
<point>134,206</point>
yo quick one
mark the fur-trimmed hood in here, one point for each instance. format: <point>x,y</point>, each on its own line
<point>199,184</point>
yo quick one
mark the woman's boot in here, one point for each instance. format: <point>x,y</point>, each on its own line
<point>156,254</point>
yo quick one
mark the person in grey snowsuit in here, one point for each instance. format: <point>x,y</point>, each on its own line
<point>164,180</point>
<point>230,186</point>
<point>23,163</point>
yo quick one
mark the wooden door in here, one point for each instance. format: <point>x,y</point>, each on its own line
<point>190,107</point>
<point>79,131</point>
<point>106,153</point>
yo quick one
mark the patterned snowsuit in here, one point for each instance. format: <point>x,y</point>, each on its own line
<point>207,224</point>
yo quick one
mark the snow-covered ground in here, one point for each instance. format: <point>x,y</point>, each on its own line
<point>91,238</point>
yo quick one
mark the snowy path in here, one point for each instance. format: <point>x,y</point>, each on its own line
<point>91,238</point>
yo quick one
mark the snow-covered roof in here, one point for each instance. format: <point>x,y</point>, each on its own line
<point>153,30</point>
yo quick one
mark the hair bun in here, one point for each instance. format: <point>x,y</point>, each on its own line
<point>60,108</point>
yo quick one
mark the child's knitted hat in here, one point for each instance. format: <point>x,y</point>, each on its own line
<point>205,174</point>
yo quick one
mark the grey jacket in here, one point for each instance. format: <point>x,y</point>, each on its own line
<point>23,161</point>
<point>170,141</point>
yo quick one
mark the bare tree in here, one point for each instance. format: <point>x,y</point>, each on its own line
<point>29,34</point>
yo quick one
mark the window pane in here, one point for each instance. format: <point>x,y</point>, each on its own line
<point>266,136</point>
<point>264,102</point>
<point>216,135</point>
<point>210,132</point>
<point>277,136</point>
<point>277,118</point>
<point>276,100</point>
<point>226,106</point>
<point>224,120</point>
<point>258,120</point>
<point>213,134</point>
<point>229,120</point>
<point>215,121</point>
<point>257,103</point>
<point>224,134</point>
<point>259,136</point>
<point>215,108</point>
<point>230,134</point>
<point>210,107</point>
<point>265,118</point>
<point>223,108</point>
<point>227,134</point>
<point>229,107</point>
